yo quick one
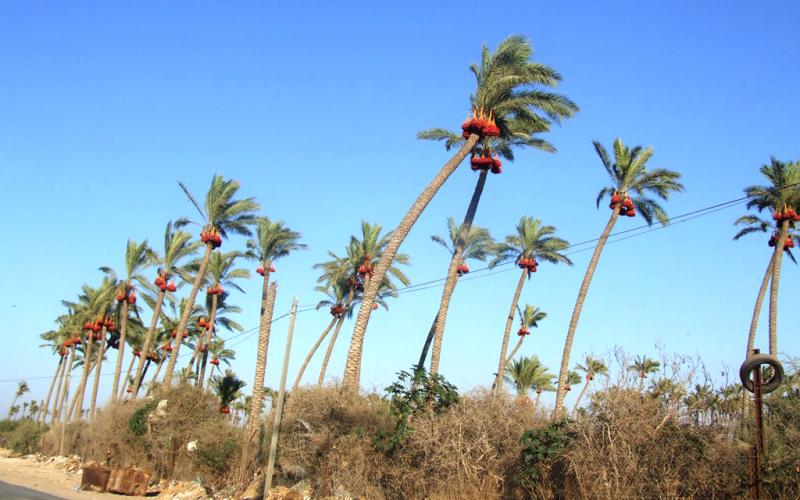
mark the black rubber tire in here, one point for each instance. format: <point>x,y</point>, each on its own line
<point>755,361</point>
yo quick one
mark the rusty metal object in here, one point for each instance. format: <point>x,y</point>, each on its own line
<point>752,367</point>
<point>95,478</point>
<point>128,482</point>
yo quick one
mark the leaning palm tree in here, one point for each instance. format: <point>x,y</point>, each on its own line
<point>542,381</point>
<point>781,198</point>
<point>273,241</point>
<point>59,342</point>
<point>532,242</point>
<point>529,319</point>
<point>138,256</point>
<point>644,366</point>
<point>631,186</point>
<point>222,321</point>
<point>508,90</point>
<point>591,367</point>
<point>222,215</point>
<point>363,253</point>
<point>22,389</point>
<point>462,244</point>
<point>177,247</point>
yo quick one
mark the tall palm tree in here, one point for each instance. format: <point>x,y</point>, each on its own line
<point>177,247</point>
<point>221,273</point>
<point>532,242</point>
<point>135,339</point>
<point>644,366</point>
<point>219,355</point>
<point>227,388</point>
<point>363,254</point>
<point>273,241</point>
<point>254,417</point>
<point>22,389</point>
<point>591,367</point>
<point>509,88</point>
<point>632,184</point>
<point>59,342</point>
<point>781,198</point>
<point>529,319</point>
<point>462,244</point>
<point>222,214</point>
<point>138,256</point>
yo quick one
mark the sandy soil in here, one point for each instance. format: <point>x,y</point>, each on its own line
<point>52,478</point>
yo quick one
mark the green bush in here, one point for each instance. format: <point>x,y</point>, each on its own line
<point>22,436</point>
<point>138,421</point>
<point>218,456</point>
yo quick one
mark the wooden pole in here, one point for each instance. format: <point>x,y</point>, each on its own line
<point>273,446</point>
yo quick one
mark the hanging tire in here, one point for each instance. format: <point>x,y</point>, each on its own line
<point>754,362</point>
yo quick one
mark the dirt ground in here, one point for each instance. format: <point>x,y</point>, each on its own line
<point>58,476</point>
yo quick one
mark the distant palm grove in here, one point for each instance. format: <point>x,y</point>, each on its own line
<point>155,323</point>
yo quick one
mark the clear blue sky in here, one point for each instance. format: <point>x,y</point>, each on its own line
<point>314,108</point>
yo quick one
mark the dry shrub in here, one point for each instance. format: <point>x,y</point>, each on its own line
<point>160,446</point>
<point>627,446</point>
<point>329,433</point>
<point>465,452</point>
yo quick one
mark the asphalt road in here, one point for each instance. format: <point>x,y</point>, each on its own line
<point>11,491</point>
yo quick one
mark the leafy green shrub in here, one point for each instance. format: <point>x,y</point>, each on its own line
<point>138,421</point>
<point>218,456</point>
<point>413,394</point>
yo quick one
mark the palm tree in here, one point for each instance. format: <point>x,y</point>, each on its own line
<point>254,417</point>
<point>337,293</point>
<point>138,256</point>
<point>22,389</point>
<point>644,366</point>
<point>59,342</point>
<point>221,318</point>
<point>227,388</point>
<point>631,185</point>
<point>573,378</point>
<point>508,91</point>
<point>532,242</point>
<point>591,367</point>
<point>221,273</point>
<point>529,318</point>
<point>177,247</point>
<point>462,244</point>
<point>363,254</point>
<point>219,354</point>
<point>781,197</point>
<point>135,339</point>
<point>222,214</point>
<point>521,373</point>
<point>542,381</point>
<point>273,241</point>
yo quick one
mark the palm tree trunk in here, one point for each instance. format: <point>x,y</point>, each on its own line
<point>123,329</point>
<point>205,336</point>
<point>452,277</point>
<point>367,281</point>
<point>198,281</point>
<point>329,350</point>
<point>46,404</point>
<point>253,423</point>
<point>311,353</point>
<point>148,341</point>
<point>576,313</point>
<point>498,381</point>
<point>583,392</point>
<point>63,388</point>
<point>87,367</point>
<point>773,291</point>
<point>126,380</point>
<point>155,375</point>
<point>515,349</point>
<point>100,353</point>
<point>264,328</point>
<point>536,401</point>
<point>751,337</point>
<point>351,381</point>
<point>202,375</point>
<point>76,405</point>
<point>350,297</point>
